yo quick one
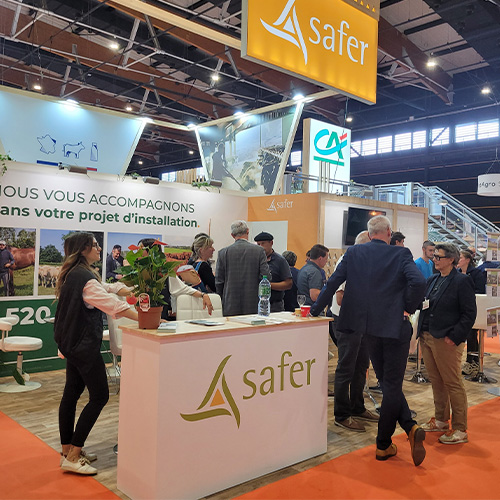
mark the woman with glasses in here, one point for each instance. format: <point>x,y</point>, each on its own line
<point>447,315</point>
<point>78,333</point>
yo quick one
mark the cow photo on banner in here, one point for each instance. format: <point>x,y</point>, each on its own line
<point>51,257</point>
<point>18,261</point>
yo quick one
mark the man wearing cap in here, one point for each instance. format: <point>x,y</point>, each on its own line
<point>6,261</point>
<point>281,276</point>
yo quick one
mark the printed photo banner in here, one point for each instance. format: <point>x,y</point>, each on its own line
<point>249,152</point>
<point>492,322</point>
<point>492,282</point>
<point>492,250</point>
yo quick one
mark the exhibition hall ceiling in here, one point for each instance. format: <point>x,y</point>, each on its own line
<point>192,75</point>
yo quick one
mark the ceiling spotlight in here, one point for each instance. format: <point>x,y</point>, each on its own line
<point>191,152</point>
<point>191,126</point>
<point>239,114</point>
<point>128,107</point>
<point>349,119</point>
<point>72,103</point>
<point>298,97</point>
<point>486,90</point>
<point>431,63</point>
<point>140,162</point>
<point>215,77</point>
<point>37,86</point>
<point>114,45</point>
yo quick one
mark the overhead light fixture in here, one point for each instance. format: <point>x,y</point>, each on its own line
<point>140,162</point>
<point>128,107</point>
<point>191,126</point>
<point>486,90</point>
<point>191,152</point>
<point>239,113</point>
<point>146,119</point>
<point>151,180</point>
<point>431,63</point>
<point>349,119</point>
<point>215,77</point>
<point>74,169</point>
<point>114,45</point>
<point>298,97</point>
<point>37,86</point>
<point>71,103</point>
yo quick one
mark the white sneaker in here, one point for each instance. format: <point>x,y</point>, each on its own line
<point>80,467</point>
<point>454,437</point>
<point>434,425</point>
<point>90,457</point>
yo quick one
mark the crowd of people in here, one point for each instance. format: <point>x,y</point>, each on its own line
<point>375,288</point>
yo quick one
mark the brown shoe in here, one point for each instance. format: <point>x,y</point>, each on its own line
<point>417,438</point>
<point>350,424</point>
<point>387,453</point>
<point>368,416</point>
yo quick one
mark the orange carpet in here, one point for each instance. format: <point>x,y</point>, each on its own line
<point>30,470</point>
<point>492,345</point>
<point>463,471</point>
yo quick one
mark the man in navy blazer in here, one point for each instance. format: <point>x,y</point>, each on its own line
<point>382,284</point>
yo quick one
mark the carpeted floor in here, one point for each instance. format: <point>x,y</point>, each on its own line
<point>449,472</point>
<point>492,345</point>
<point>30,470</point>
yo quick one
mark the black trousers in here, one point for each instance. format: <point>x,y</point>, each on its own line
<point>91,374</point>
<point>350,375</point>
<point>389,357</point>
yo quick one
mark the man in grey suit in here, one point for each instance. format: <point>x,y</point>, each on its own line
<point>240,268</point>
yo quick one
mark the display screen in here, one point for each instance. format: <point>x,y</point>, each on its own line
<point>357,219</point>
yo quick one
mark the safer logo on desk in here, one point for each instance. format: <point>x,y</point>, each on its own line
<point>219,401</point>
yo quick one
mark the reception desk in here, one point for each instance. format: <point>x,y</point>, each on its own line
<point>207,407</point>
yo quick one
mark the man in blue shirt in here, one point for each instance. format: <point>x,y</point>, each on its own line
<point>424,263</point>
<point>311,277</point>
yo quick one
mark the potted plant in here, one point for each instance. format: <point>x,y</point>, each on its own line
<point>147,271</point>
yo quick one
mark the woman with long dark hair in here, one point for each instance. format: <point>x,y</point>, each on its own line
<point>78,333</point>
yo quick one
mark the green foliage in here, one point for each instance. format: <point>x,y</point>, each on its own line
<point>3,164</point>
<point>25,239</point>
<point>147,274</point>
<point>50,254</point>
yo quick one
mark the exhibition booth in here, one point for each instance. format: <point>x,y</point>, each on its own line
<point>41,205</point>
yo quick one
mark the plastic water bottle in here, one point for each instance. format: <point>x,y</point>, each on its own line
<point>264,297</point>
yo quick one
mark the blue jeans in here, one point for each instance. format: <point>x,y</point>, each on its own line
<point>389,357</point>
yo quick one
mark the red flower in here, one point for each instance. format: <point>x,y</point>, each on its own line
<point>133,247</point>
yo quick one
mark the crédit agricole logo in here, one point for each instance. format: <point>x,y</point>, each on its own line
<point>219,400</point>
<point>328,143</point>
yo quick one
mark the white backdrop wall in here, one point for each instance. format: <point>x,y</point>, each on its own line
<point>334,220</point>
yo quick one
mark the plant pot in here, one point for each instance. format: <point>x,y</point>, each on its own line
<point>150,320</point>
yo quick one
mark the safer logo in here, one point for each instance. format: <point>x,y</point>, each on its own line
<point>218,400</point>
<point>287,27</point>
